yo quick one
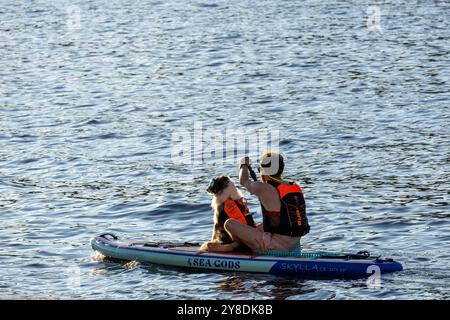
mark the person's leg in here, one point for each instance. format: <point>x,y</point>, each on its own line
<point>232,227</point>
<point>284,243</point>
<point>257,239</point>
<point>222,247</point>
<point>204,246</point>
<point>242,233</point>
<point>214,246</point>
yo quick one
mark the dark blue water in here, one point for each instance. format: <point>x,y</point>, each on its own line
<point>91,93</point>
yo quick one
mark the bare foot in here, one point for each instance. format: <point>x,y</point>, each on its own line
<point>204,246</point>
<point>219,247</point>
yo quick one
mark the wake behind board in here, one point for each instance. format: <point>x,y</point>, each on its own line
<point>186,255</point>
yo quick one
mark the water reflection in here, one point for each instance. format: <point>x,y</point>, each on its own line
<point>270,287</point>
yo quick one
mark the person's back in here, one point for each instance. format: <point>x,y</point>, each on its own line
<point>290,219</point>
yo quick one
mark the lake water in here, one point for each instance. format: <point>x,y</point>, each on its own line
<point>92,92</point>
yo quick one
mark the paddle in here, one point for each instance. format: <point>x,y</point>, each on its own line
<point>252,173</point>
<point>250,170</point>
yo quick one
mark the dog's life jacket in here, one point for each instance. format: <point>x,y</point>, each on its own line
<point>234,209</point>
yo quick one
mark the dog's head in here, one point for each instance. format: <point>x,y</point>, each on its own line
<point>222,188</point>
<point>218,184</point>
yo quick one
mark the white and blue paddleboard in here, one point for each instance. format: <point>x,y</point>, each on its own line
<point>319,265</point>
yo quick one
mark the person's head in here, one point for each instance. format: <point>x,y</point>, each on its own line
<point>271,164</point>
<point>222,188</point>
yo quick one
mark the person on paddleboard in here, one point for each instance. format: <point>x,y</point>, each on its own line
<point>283,208</point>
<point>228,203</point>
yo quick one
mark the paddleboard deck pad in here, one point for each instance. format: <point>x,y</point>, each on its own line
<point>304,264</point>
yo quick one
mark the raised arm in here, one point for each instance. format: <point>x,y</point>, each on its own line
<point>255,187</point>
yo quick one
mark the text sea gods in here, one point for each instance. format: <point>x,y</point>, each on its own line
<point>214,263</point>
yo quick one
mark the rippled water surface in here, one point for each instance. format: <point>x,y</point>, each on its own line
<point>92,91</point>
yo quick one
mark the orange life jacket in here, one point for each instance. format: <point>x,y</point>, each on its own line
<point>291,220</point>
<point>235,209</point>
<point>238,209</point>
